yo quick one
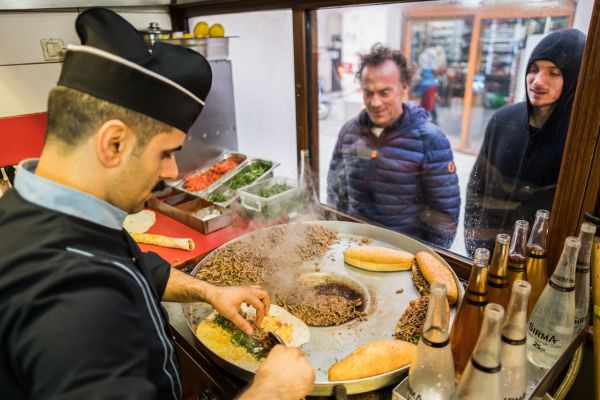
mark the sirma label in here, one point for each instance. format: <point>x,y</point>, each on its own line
<point>542,340</point>
<point>410,393</point>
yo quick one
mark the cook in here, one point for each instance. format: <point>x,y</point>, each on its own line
<point>80,313</point>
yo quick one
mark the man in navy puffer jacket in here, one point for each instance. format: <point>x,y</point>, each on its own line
<point>391,165</point>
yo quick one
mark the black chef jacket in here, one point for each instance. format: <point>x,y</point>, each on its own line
<point>80,312</point>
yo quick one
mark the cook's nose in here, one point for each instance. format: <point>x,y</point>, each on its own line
<point>169,169</point>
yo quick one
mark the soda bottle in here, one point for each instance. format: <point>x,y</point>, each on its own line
<point>431,375</point>
<point>516,253</point>
<point>537,268</point>
<point>482,378</point>
<point>514,338</point>
<point>497,277</point>
<point>467,321</point>
<point>552,320</point>
<point>582,275</point>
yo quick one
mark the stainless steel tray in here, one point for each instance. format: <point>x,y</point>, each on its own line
<point>180,184</point>
<point>330,344</point>
<point>223,186</point>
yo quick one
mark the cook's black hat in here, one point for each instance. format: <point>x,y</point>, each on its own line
<point>113,64</point>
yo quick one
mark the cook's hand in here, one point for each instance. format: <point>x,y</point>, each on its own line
<point>285,374</point>
<point>228,299</point>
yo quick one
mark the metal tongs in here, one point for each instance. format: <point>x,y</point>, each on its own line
<point>276,338</point>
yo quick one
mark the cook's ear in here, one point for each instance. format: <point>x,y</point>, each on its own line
<point>114,139</point>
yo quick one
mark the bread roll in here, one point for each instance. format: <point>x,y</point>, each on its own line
<point>373,359</point>
<point>378,259</point>
<point>434,271</point>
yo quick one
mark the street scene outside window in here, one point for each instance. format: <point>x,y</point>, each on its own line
<point>482,100</point>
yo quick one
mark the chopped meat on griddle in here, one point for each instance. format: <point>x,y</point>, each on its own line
<point>419,280</point>
<point>410,325</point>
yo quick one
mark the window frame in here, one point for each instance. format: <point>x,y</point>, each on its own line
<point>578,184</point>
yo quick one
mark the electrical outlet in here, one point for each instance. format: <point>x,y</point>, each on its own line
<point>53,49</point>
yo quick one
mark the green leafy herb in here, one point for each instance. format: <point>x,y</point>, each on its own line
<point>273,190</point>
<point>241,339</point>
<point>247,177</point>
<point>218,197</point>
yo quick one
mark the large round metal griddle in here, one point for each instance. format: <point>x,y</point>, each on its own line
<point>330,344</point>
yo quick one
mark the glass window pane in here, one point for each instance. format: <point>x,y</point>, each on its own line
<point>468,63</point>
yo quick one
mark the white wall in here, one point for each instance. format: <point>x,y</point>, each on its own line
<point>25,78</point>
<point>583,14</point>
<point>262,58</point>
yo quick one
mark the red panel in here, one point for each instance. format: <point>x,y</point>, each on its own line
<point>21,137</point>
<point>204,243</point>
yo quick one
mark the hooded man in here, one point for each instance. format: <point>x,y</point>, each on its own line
<point>80,311</point>
<point>518,165</point>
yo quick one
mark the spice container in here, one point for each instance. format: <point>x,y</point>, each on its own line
<point>197,213</point>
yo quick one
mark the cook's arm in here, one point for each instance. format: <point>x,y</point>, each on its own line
<point>183,288</point>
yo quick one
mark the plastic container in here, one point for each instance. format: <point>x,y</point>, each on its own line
<point>228,191</point>
<point>274,206</point>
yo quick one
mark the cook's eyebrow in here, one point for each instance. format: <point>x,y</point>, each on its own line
<point>178,148</point>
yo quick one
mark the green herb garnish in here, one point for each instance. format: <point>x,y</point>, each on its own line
<point>241,339</point>
<point>246,178</point>
<point>218,197</point>
<point>273,190</point>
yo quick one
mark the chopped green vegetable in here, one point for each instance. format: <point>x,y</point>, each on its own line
<point>415,339</point>
<point>247,177</point>
<point>218,197</point>
<point>241,339</point>
<point>273,190</point>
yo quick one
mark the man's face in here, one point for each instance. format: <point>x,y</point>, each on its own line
<point>143,168</point>
<point>383,93</point>
<point>544,83</point>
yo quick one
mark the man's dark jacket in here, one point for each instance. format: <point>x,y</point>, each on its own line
<point>80,311</point>
<point>518,165</point>
<point>405,179</point>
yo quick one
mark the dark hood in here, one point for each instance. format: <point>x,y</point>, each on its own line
<point>564,48</point>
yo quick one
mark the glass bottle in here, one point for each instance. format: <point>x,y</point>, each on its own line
<point>537,268</point>
<point>467,321</point>
<point>582,275</point>
<point>431,375</point>
<point>514,338</point>
<point>307,191</point>
<point>553,318</point>
<point>497,277</point>
<point>482,378</point>
<point>517,251</point>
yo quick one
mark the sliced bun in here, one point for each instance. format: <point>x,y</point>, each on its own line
<point>434,271</point>
<point>378,259</point>
<point>373,359</point>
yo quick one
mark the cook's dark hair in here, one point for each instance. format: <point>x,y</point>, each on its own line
<point>74,116</point>
<point>380,54</point>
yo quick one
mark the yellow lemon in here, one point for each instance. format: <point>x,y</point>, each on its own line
<point>187,35</point>
<point>216,30</point>
<point>201,29</point>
